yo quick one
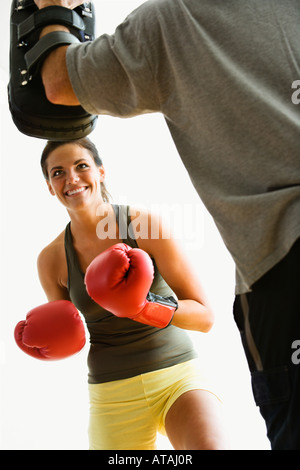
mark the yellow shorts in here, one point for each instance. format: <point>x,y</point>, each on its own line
<point>127,414</point>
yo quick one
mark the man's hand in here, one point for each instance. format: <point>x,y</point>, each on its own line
<point>62,3</point>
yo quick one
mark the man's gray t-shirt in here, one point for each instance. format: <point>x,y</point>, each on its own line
<point>221,72</point>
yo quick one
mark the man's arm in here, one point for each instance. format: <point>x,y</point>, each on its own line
<point>54,71</point>
<point>61,3</point>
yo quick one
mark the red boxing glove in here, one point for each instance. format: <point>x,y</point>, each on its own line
<point>51,331</point>
<point>119,280</point>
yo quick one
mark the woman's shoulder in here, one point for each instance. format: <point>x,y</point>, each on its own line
<point>52,253</point>
<point>149,227</point>
<point>52,269</point>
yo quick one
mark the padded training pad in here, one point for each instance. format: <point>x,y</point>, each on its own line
<point>31,112</point>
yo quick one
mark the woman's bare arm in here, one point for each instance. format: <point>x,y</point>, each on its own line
<point>194,312</point>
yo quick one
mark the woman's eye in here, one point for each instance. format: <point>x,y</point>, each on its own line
<point>56,173</point>
<point>82,166</point>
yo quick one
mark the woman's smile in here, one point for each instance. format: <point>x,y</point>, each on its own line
<point>75,191</point>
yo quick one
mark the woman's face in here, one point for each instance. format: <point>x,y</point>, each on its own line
<point>74,177</point>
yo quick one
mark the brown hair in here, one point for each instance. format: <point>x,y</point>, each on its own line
<point>85,143</point>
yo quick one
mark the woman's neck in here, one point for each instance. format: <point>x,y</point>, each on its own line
<point>84,223</point>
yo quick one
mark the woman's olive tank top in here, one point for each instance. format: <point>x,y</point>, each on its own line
<point>119,347</point>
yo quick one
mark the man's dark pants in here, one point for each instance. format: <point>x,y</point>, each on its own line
<point>269,322</point>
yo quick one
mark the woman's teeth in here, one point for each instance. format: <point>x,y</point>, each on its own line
<point>75,191</point>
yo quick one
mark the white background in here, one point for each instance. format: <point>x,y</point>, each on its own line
<point>45,405</point>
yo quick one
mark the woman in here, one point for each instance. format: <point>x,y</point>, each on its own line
<point>141,379</point>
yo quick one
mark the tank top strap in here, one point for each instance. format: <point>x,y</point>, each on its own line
<point>71,257</point>
<point>69,244</point>
<point>124,224</point>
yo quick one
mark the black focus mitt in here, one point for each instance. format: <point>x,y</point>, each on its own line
<point>31,112</point>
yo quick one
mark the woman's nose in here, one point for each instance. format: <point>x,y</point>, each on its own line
<point>72,177</point>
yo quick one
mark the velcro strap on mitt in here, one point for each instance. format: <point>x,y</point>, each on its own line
<point>31,112</point>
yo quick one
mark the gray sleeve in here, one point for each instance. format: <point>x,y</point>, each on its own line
<point>112,74</point>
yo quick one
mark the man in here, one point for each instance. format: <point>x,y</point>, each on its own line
<point>224,74</point>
